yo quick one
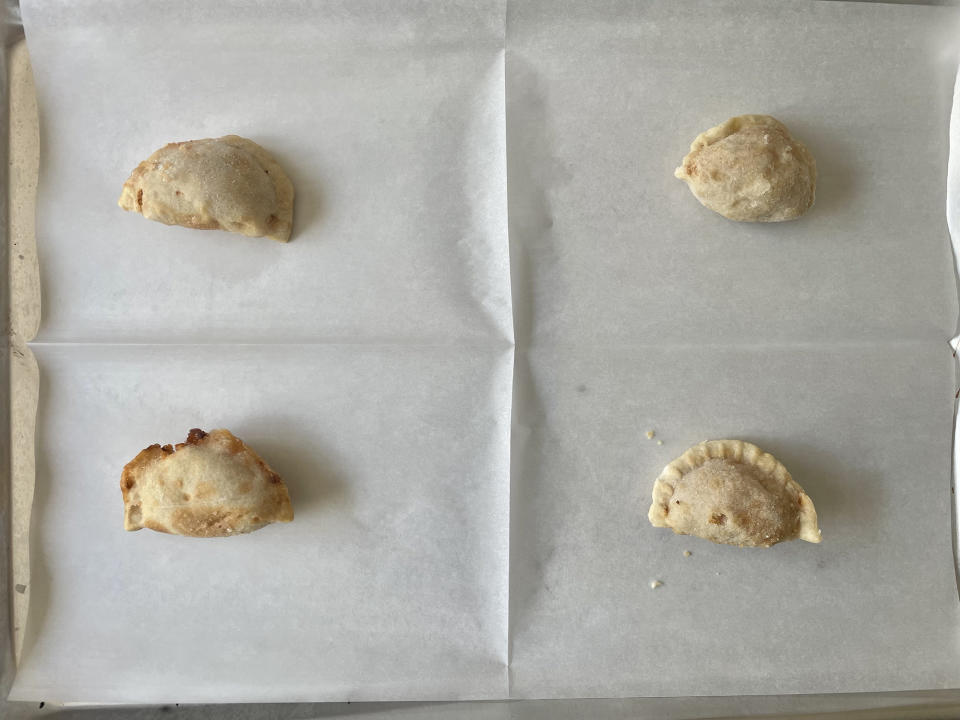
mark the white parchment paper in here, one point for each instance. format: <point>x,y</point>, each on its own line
<point>373,360</point>
<point>807,337</point>
<point>389,418</point>
<point>388,118</point>
<point>823,340</point>
<point>390,582</point>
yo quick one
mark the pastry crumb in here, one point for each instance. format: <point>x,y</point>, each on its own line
<point>651,434</point>
<point>654,584</point>
<point>687,553</point>
<point>659,442</point>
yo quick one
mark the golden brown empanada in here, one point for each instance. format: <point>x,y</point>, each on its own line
<point>227,183</point>
<point>209,486</point>
<point>751,169</point>
<point>732,492</point>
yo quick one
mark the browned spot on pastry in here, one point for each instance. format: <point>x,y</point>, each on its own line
<point>256,518</point>
<point>166,448</point>
<point>178,193</point>
<point>129,483</point>
<point>749,523</point>
<point>140,199</point>
<point>275,479</point>
<point>195,436</point>
<point>718,518</point>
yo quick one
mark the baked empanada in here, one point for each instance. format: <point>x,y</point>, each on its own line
<point>209,486</point>
<point>732,492</point>
<point>751,169</point>
<point>227,183</point>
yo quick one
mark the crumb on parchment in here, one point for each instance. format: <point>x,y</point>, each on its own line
<point>659,442</point>
<point>654,584</point>
<point>687,553</point>
<point>651,434</point>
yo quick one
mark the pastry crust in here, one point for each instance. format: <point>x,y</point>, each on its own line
<point>212,485</point>
<point>732,492</point>
<point>227,183</point>
<point>751,169</point>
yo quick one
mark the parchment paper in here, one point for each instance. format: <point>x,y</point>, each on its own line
<point>390,582</point>
<point>390,421</point>
<point>434,556</point>
<point>824,340</point>
<point>388,119</point>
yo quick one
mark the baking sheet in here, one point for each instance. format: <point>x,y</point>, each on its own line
<point>632,304</point>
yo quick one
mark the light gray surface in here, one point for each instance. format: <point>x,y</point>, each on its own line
<point>872,706</point>
<point>908,705</point>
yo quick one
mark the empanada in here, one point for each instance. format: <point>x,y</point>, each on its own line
<point>751,169</point>
<point>732,492</point>
<point>227,183</point>
<point>209,486</point>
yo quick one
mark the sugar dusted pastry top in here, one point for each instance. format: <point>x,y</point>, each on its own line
<point>732,492</point>
<point>211,485</point>
<point>751,169</point>
<point>227,183</point>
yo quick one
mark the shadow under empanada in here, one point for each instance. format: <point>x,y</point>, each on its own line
<point>310,472</point>
<point>308,198</point>
<point>837,177</point>
<point>843,496</point>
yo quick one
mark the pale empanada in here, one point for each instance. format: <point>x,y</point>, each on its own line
<point>209,486</point>
<point>751,169</point>
<point>732,492</point>
<point>227,183</point>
